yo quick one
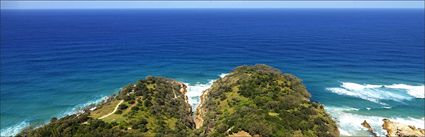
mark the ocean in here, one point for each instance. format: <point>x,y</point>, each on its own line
<point>362,64</point>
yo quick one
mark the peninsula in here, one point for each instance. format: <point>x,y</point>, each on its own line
<point>250,101</point>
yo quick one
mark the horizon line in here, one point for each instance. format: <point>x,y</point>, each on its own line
<point>332,4</point>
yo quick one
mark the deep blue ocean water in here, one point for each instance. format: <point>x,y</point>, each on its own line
<point>361,64</point>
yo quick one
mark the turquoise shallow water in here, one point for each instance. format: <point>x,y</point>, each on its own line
<point>362,64</point>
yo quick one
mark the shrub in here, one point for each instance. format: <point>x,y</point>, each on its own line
<point>131,102</point>
<point>122,107</point>
<point>135,108</point>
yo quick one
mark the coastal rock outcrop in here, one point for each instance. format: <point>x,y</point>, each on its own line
<point>395,129</point>
<point>369,128</point>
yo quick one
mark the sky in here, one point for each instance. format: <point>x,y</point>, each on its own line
<point>152,4</point>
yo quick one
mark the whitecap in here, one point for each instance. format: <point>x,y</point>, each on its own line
<point>377,93</point>
<point>355,86</point>
<point>222,75</point>
<point>415,91</point>
<point>387,107</point>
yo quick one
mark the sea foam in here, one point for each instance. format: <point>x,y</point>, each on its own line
<point>349,124</point>
<point>377,93</point>
<point>195,91</point>
<point>79,108</point>
<point>416,91</point>
<point>15,129</point>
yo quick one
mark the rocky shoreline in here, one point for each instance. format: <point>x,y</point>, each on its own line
<point>250,101</point>
<point>396,129</point>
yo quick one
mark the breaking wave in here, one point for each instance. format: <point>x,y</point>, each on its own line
<point>377,93</point>
<point>15,129</point>
<point>195,91</point>
<point>80,107</point>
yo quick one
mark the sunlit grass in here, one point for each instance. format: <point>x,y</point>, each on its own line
<point>104,109</point>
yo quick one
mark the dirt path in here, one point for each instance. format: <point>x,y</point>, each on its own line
<point>116,108</point>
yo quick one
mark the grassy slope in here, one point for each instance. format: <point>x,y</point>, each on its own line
<point>257,99</point>
<point>154,107</point>
<point>263,101</point>
<point>104,109</point>
<point>159,103</point>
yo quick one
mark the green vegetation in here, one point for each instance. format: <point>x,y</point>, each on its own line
<point>104,109</point>
<point>75,125</point>
<point>151,107</point>
<point>262,101</point>
<point>257,99</point>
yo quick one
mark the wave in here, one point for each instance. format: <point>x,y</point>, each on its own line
<point>79,108</point>
<point>15,129</point>
<point>195,91</point>
<point>349,124</point>
<point>222,75</point>
<point>416,91</point>
<point>377,93</point>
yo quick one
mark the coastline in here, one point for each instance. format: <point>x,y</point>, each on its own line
<point>341,114</point>
<point>37,79</point>
<point>349,124</point>
<point>15,129</point>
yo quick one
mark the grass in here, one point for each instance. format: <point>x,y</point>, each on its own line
<point>273,114</point>
<point>171,123</point>
<point>114,117</point>
<point>151,86</point>
<point>104,109</point>
<point>120,117</point>
<point>151,123</point>
<point>224,105</point>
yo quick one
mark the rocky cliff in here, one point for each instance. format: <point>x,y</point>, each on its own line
<point>396,129</point>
